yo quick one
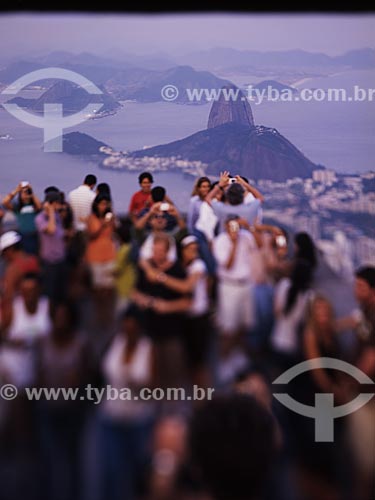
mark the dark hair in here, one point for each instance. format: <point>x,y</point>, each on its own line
<point>19,203</point>
<point>301,279</point>
<point>32,276</point>
<point>230,217</point>
<point>213,185</point>
<point>124,230</point>
<point>157,194</point>
<point>53,197</point>
<point>104,188</point>
<point>51,189</point>
<point>98,198</point>
<point>201,180</point>
<point>235,194</point>
<point>198,184</point>
<point>367,274</point>
<point>305,248</point>
<point>90,180</point>
<point>67,218</point>
<point>232,440</point>
<point>145,175</point>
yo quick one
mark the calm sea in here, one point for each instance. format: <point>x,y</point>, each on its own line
<point>339,135</point>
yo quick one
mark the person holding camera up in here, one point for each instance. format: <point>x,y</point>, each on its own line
<point>101,250</point>
<point>25,208</point>
<point>160,198</point>
<point>52,248</point>
<point>234,251</point>
<point>101,257</point>
<point>163,216</point>
<point>235,189</point>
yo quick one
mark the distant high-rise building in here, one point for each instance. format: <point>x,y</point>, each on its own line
<point>365,251</point>
<point>309,224</point>
<point>327,177</point>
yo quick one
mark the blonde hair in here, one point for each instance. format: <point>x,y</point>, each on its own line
<point>163,238</point>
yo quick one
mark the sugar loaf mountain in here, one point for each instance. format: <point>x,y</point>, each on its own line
<point>231,142</point>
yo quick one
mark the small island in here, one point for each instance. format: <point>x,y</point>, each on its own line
<point>73,99</point>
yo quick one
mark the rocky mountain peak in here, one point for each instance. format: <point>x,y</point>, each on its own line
<point>232,106</point>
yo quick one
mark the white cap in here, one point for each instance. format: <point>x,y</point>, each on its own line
<point>9,239</point>
<point>188,240</point>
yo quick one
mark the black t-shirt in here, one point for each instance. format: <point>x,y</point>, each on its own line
<point>159,326</point>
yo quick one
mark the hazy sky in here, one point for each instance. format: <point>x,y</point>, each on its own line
<point>177,34</point>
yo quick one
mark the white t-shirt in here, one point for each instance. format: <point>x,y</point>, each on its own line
<point>193,212</point>
<point>120,375</point>
<point>248,211</point>
<point>29,327</point>
<point>248,198</point>
<point>200,296</point>
<point>207,220</point>
<point>16,363</point>
<point>242,265</point>
<point>80,200</point>
<point>285,332</point>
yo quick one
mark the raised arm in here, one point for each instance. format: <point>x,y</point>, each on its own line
<point>142,221</point>
<point>175,213</point>
<point>267,227</point>
<point>224,180</point>
<point>186,285</point>
<point>50,226</point>
<point>7,200</point>
<point>233,235</point>
<point>179,285</point>
<point>95,226</point>
<point>250,189</point>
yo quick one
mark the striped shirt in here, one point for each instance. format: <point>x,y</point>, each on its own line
<point>80,200</point>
